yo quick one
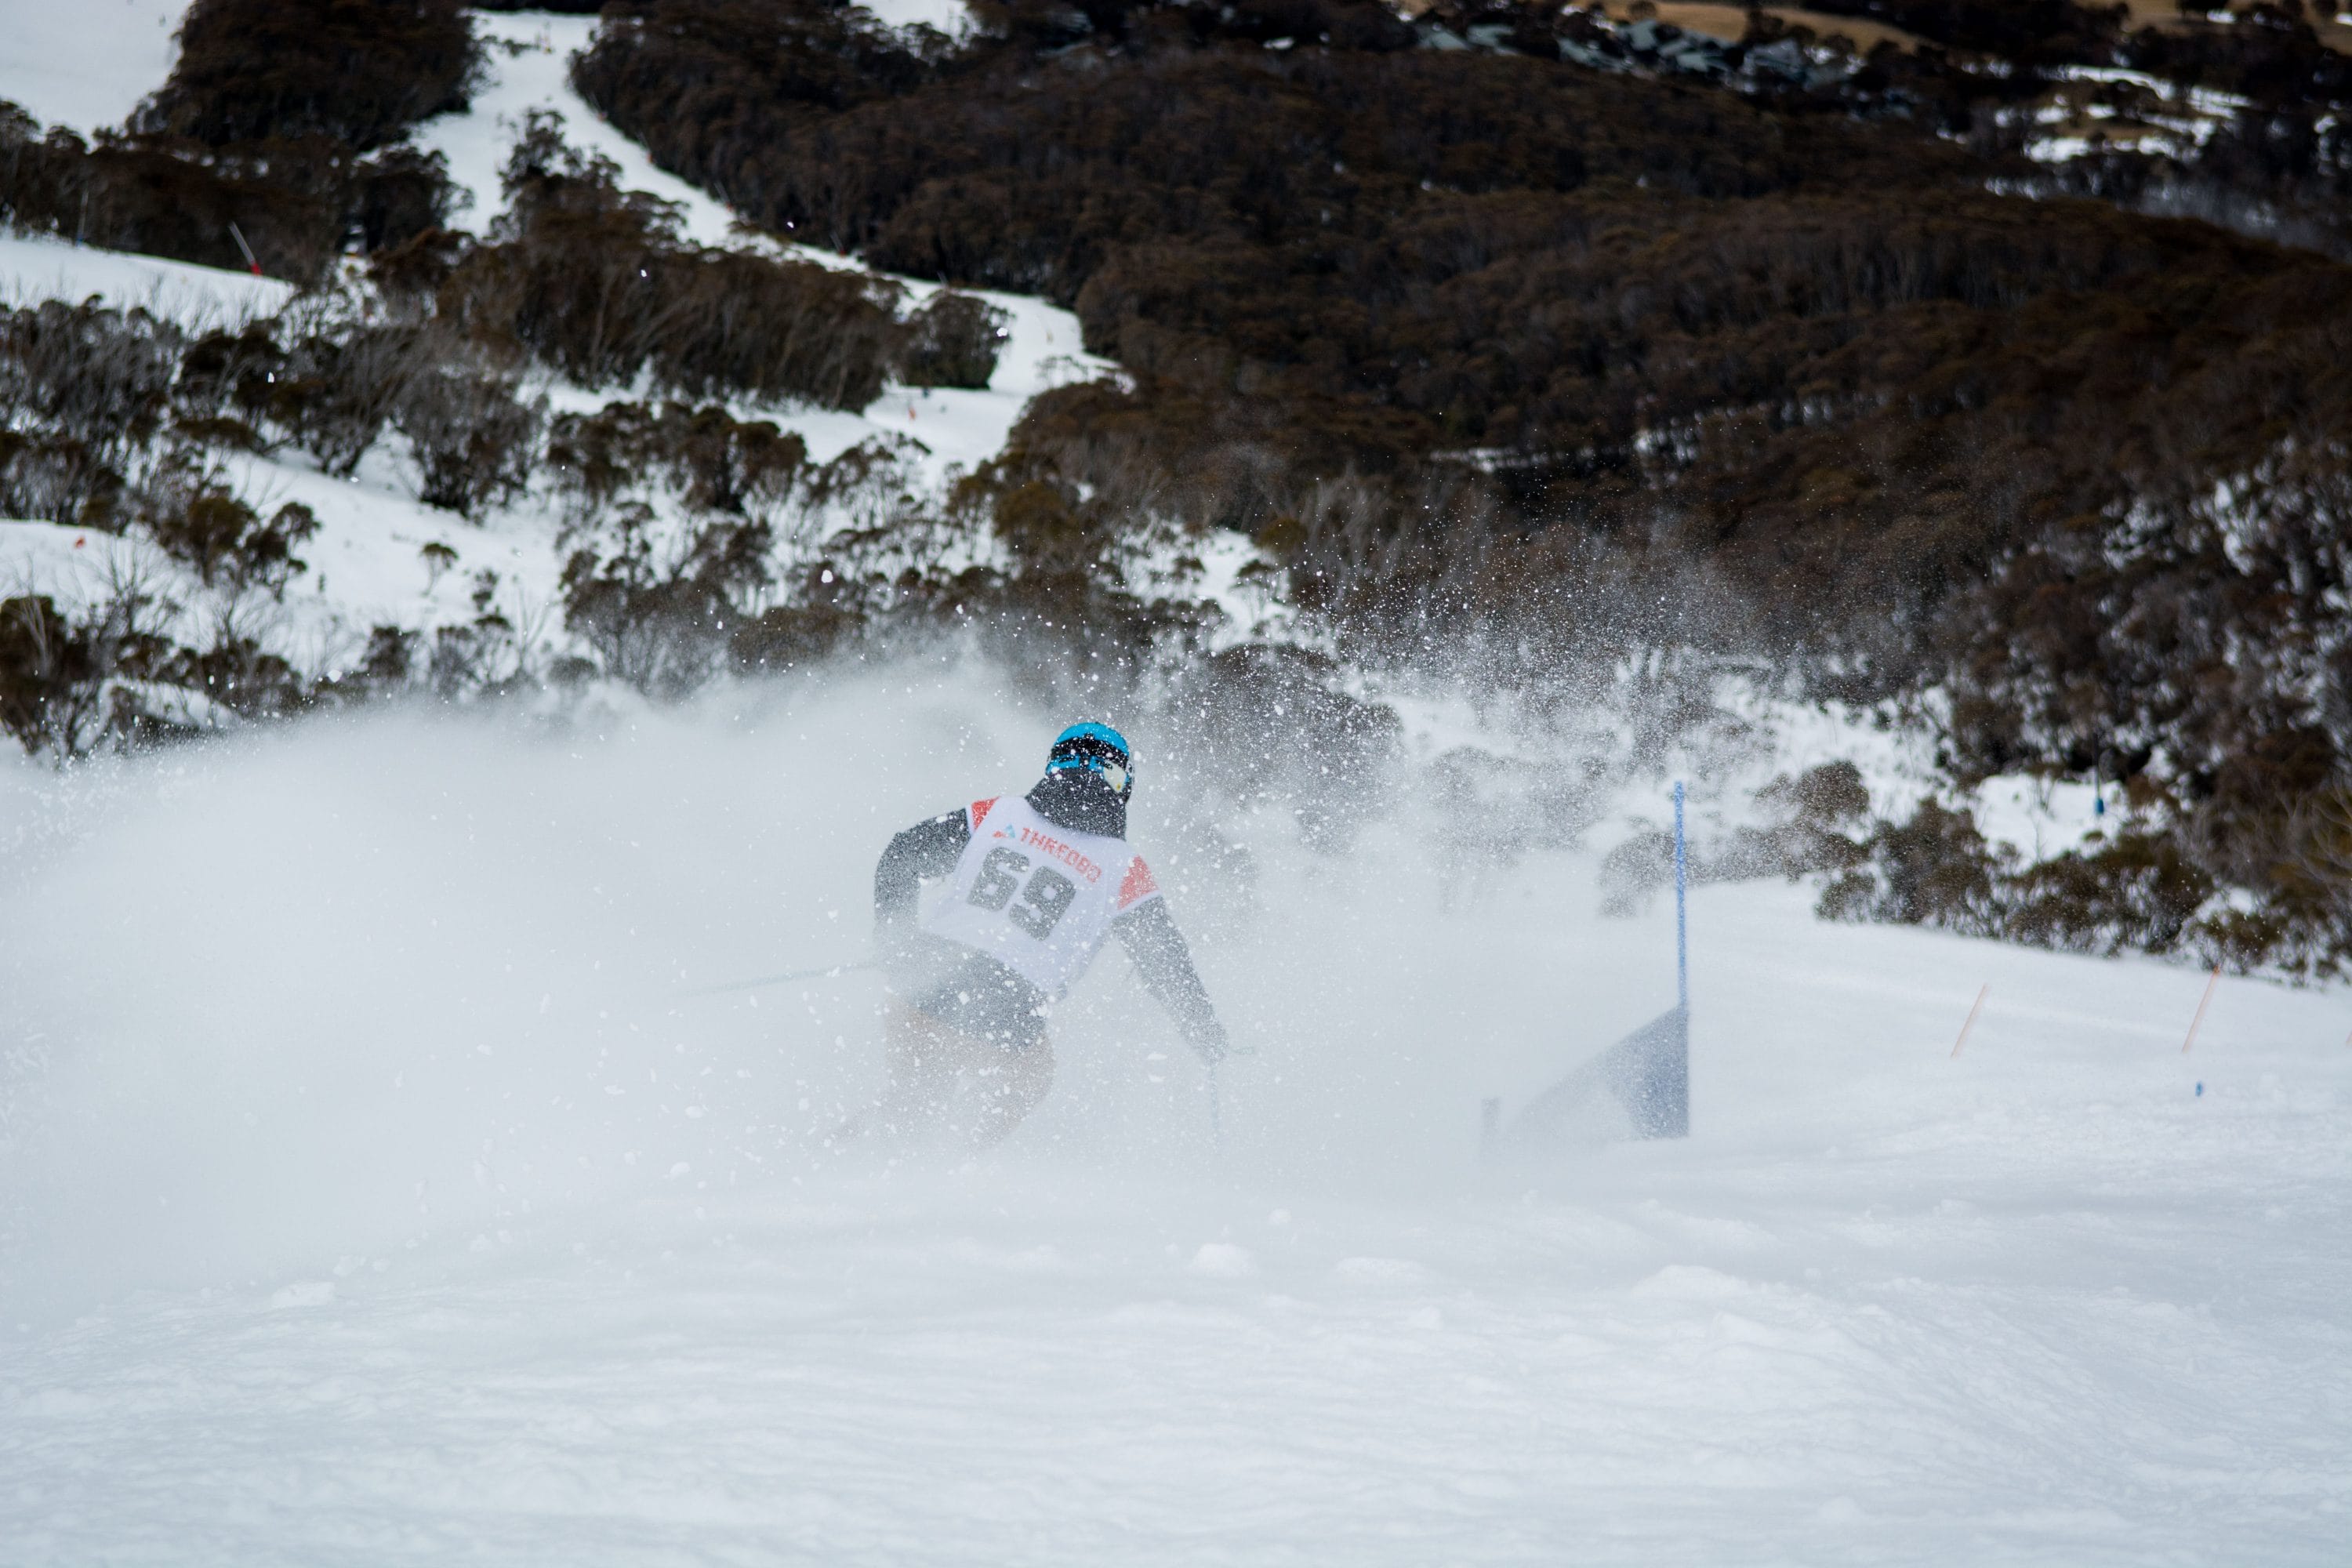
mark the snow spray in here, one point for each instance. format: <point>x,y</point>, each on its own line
<point>375,987</point>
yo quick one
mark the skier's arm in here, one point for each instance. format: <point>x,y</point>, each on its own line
<point>927,850</point>
<point>1150,934</point>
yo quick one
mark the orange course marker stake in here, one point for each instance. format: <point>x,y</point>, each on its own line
<point>2195,1022</point>
<point>1984,992</point>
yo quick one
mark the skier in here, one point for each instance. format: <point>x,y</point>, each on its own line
<point>1036,882</point>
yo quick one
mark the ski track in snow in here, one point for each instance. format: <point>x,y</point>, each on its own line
<point>481,1246</point>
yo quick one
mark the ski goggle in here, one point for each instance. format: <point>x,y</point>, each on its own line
<point>1108,769</point>
<point>1097,748</point>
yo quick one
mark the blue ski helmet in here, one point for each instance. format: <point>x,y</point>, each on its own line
<point>1097,749</point>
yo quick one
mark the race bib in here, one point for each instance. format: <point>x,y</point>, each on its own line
<point>1036,897</point>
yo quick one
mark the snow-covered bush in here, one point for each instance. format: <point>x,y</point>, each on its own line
<point>475,440</point>
<point>51,676</point>
<point>662,619</point>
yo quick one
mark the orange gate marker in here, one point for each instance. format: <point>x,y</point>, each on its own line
<point>1985,992</point>
<point>2200,1019</point>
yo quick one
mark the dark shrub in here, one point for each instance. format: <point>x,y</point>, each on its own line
<point>231,373</point>
<point>713,462</point>
<point>473,439</point>
<point>51,676</point>
<point>662,624</point>
<point>953,341</point>
<point>338,390</point>
<point>197,520</point>
<point>1280,725</point>
<point>241,675</point>
<point>1635,870</point>
<point>88,372</point>
<point>593,280</point>
<point>412,272</point>
<point>2138,892</point>
<point>294,200</point>
<point>59,479</point>
<point>358,72</point>
<point>1812,816</point>
<point>396,195</point>
<point>790,636</point>
<point>1935,869</point>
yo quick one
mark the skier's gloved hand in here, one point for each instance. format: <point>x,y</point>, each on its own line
<point>1209,1040</point>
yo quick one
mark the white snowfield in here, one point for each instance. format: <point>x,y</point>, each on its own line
<point>86,64</point>
<point>34,268</point>
<point>369,1194</point>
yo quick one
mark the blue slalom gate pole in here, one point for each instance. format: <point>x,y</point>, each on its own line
<point>1682,900</point>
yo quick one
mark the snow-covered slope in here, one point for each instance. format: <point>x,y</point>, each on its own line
<point>366,569</point>
<point>85,64</point>
<point>368,1193</point>
<point>526,56</point>
<point>34,268</point>
<point>375,1197</point>
<point>527,63</point>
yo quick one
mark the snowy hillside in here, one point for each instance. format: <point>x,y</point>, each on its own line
<point>374,1196</point>
<point>382,1182</point>
<point>365,568</point>
<point>86,65</point>
<point>34,267</point>
<point>526,60</point>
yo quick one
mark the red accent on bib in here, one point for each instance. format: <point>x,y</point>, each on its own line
<point>980,812</point>
<point>1138,887</point>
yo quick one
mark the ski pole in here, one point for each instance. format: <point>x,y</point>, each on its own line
<point>827,973</point>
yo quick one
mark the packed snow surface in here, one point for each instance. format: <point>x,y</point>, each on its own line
<point>34,268</point>
<point>85,64</point>
<point>373,1193</point>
